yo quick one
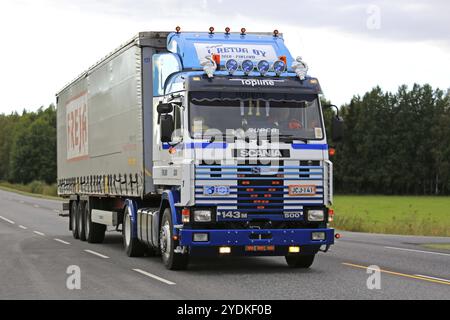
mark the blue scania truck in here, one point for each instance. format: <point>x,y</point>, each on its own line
<point>198,143</point>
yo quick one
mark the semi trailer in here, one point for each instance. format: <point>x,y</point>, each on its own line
<point>198,143</point>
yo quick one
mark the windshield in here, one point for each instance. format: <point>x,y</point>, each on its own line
<point>298,119</point>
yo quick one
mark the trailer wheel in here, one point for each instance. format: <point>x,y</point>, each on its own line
<point>299,261</point>
<point>74,219</point>
<point>81,221</point>
<point>172,260</point>
<point>95,232</point>
<point>133,247</point>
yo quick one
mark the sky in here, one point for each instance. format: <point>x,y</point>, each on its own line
<point>350,45</point>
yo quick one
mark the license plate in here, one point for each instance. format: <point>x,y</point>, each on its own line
<point>259,248</point>
<point>301,190</point>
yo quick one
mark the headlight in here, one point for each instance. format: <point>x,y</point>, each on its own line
<point>316,215</point>
<point>231,65</point>
<point>202,215</point>
<point>279,67</point>
<point>247,66</point>
<point>263,67</point>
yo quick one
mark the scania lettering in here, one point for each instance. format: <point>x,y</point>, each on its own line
<point>198,143</point>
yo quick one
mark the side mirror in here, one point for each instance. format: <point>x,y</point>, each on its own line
<point>167,127</point>
<point>337,129</point>
<point>164,108</point>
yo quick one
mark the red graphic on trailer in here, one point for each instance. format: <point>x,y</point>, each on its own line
<point>77,128</point>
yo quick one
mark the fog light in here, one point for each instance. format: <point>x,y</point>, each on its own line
<point>224,250</point>
<point>318,236</point>
<point>201,237</point>
<point>294,249</point>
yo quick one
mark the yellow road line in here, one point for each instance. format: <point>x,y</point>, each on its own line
<point>397,274</point>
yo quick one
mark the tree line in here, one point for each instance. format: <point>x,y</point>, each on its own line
<point>28,146</point>
<point>395,143</point>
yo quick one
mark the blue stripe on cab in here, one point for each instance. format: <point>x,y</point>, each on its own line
<point>304,146</point>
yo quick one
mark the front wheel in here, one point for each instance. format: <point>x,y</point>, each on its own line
<point>299,261</point>
<point>171,259</point>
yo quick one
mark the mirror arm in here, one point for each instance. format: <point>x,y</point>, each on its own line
<point>335,107</point>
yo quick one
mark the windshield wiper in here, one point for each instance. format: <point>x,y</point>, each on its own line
<point>289,138</point>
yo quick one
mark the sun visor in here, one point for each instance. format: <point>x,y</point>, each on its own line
<point>227,86</point>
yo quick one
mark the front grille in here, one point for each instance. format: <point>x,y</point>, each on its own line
<point>260,188</point>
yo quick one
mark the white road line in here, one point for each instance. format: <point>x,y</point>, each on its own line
<point>21,201</point>
<point>36,206</point>
<point>62,241</point>
<point>420,251</point>
<point>428,277</point>
<point>23,227</point>
<point>155,277</point>
<point>39,233</point>
<point>97,254</point>
<point>7,220</point>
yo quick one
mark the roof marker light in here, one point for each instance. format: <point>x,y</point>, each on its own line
<point>232,66</point>
<point>263,67</point>
<point>243,31</point>
<point>247,66</point>
<point>227,31</point>
<point>276,33</point>
<point>211,30</point>
<point>178,29</point>
<point>279,67</point>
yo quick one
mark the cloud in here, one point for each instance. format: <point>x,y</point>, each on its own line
<point>46,43</point>
<point>400,20</point>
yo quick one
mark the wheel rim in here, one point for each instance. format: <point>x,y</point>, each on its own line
<point>127,230</point>
<point>165,242</point>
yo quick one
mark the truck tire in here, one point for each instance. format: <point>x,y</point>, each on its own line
<point>133,247</point>
<point>80,221</point>
<point>74,219</point>
<point>172,260</point>
<point>95,232</point>
<point>300,261</point>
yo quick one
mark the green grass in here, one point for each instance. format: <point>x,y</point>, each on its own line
<point>411,215</point>
<point>35,188</point>
<point>438,246</point>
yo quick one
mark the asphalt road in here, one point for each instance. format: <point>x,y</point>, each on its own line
<point>36,249</point>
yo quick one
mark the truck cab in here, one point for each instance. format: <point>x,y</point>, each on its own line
<point>240,150</point>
